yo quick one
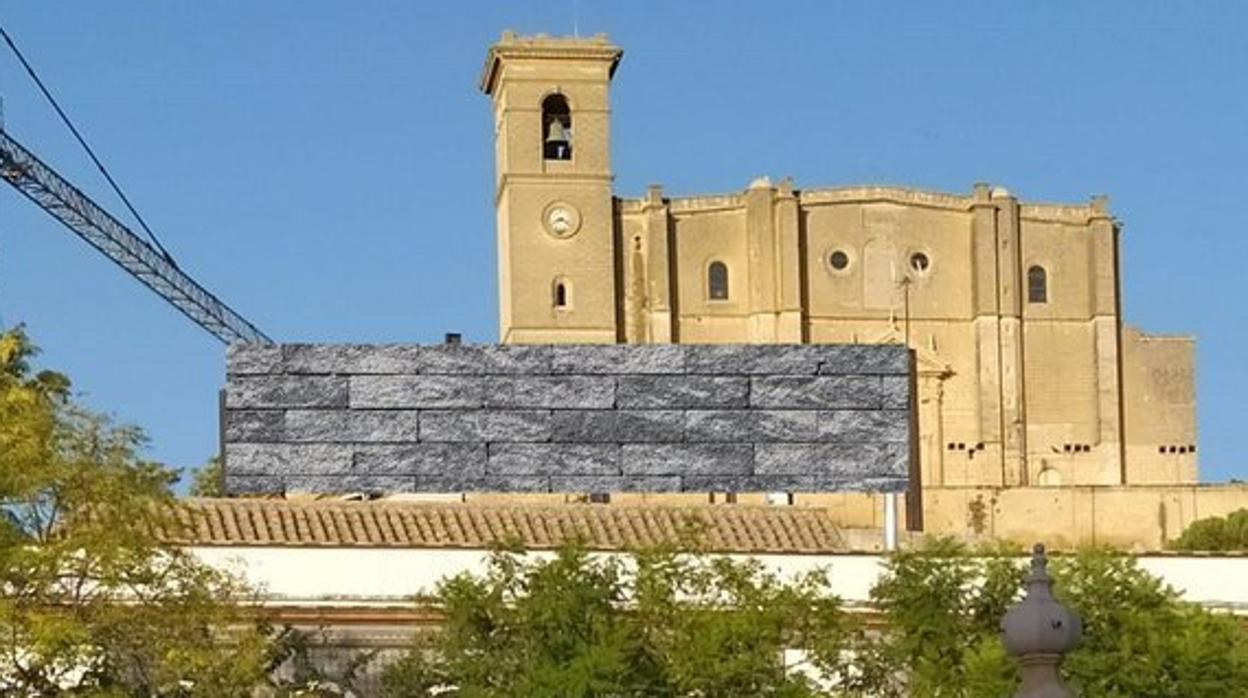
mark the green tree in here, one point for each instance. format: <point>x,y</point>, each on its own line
<point>1216,533</point>
<point>656,624</point>
<point>942,604</point>
<point>662,623</point>
<point>208,480</point>
<point>1141,640</point>
<point>96,601</point>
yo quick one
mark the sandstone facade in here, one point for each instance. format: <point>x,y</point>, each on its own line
<point>1027,374</point>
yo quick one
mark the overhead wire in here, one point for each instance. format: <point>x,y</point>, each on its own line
<point>83,142</point>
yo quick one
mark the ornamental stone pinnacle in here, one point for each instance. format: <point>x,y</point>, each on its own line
<point>1039,631</point>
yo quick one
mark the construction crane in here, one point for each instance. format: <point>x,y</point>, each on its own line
<point>152,266</point>
<point>66,203</point>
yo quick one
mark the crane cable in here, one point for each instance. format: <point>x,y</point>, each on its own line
<point>82,141</point>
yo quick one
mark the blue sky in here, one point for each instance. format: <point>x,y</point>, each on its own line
<point>325,167</point>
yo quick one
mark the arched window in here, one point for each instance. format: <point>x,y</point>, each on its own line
<point>560,295</point>
<point>1037,285</point>
<point>556,128</point>
<point>717,281</point>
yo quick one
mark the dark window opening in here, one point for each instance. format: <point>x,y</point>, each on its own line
<point>556,128</point>
<point>839,260</point>
<point>717,281</point>
<point>780,499</point>
<point>561,295</point>
<point>1037,285</point>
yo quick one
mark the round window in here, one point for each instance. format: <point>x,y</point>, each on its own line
<point>920,262</point>
<point>838,260</point>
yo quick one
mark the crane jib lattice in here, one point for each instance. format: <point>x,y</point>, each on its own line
<point>65,202</point>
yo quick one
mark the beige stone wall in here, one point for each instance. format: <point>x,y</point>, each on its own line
<point>1011,392</point>
<point>1133,517</point>
<point>1160,395</point>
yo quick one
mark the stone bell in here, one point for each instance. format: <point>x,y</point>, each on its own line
<point>1039,630</point>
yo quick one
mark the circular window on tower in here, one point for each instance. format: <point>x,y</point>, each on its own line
<point>838,260</point>
<point>920,263</point>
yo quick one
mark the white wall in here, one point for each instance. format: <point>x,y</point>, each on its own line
<point>389,576</point>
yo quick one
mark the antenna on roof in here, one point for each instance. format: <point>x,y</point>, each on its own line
<point>576,18</point>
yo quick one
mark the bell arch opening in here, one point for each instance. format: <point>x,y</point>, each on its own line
<point>556,128</point>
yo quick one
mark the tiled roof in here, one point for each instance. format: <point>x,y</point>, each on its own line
<point>397,524</point>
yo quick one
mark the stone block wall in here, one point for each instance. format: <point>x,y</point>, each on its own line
<point>566,418</point>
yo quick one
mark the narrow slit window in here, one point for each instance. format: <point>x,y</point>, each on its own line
<point>556,128</point>
<point>561,295</point>
<point>1037,285</point>
<point>717,281</point>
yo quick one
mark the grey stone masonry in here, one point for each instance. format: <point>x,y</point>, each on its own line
<point>340,418</point>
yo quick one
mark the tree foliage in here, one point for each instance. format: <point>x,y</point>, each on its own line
<point>94,601</point>
<point>1141,640</point>
<point>943,604</point>
<point>942,609</point>
<point>208,480</point>
<point>665,624</point>
<point>662,624</point>
<point>1216,533</point>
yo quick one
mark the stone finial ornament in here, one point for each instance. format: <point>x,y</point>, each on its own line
<point>1039,630</point>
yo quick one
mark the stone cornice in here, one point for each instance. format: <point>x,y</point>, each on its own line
<point>541,47</point>
<point>1058,213</point>
<point>688,204</point>
<point>884,194</point>
<point>1076,214</point>
<point>545,179</point>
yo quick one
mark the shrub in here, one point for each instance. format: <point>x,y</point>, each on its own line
<point>1215,533</point>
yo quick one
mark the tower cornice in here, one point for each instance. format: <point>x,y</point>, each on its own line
<point>511,46</point>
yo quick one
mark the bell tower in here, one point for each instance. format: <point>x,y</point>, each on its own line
<point>556,256</point>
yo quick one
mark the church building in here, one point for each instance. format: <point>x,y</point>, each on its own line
<point>1027,374</point>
